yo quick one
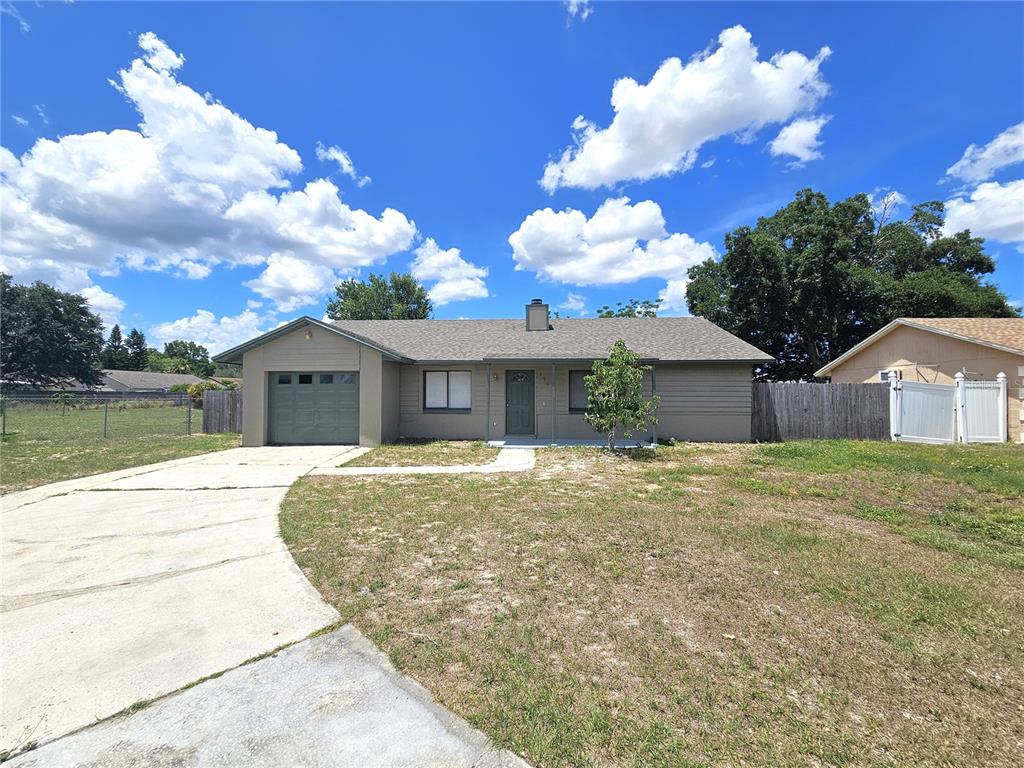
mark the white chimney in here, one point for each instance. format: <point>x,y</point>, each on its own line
<point>537,316</point>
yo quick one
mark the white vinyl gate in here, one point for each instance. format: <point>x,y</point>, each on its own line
<point>966,411</point>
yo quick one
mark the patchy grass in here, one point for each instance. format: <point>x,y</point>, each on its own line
<point>44,444</point>
<point>419,453</point>
<point>602,611</point>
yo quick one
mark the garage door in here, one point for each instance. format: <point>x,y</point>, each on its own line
<point>313,408</point>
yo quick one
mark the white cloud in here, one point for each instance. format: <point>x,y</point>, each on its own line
<point>341,157</point>
<point>659,127</point>
<point>195,186</point>
<point>673,296</point>
<point>457,279</point>
<point>216,334</point>
<point>708,163</point>
<point>19,120</point>
<point>981,163</point>
<point>620,243</point>
<point>800,139</point>
<point>885,200</point>
<point>106,305</point>
<point>41,112</point>
<point>8,8</point>
<point>992,210</point>
<point>578,9</point>
<point>292,283</point>
<point>574,303</point>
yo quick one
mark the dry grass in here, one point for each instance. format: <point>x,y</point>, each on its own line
<point>810,604</point>
<point>418,453</point>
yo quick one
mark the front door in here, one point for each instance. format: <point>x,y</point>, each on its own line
<point>519,405</point>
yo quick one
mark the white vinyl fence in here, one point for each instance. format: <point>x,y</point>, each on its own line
<point>965,411</point>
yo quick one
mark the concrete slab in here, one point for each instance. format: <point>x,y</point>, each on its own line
<point>113,596</point>
<point>334,700</point>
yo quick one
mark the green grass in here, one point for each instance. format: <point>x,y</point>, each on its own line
<point>708,606</point>
<point>418,453</point>
<point>44,444</point>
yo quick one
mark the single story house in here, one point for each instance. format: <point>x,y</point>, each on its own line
<point>935,349</point>
<point>145,381</point>
<point>373,381</point>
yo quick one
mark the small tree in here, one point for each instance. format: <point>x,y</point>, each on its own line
<point>615,394</point>
<point>200,388</point>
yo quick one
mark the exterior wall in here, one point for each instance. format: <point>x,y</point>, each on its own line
<point>323,351</point>
<point>389,402</point>
<point>931,357</point>
<point>699,402</point>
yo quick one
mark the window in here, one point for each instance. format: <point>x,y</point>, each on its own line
<point>447,390</point>
<point>284,378</point>
<point>577,391</point>
<point>305,378</point>
<point>326,378</point>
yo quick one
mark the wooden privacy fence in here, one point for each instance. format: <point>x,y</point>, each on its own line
<point>797,410</point>
<point>222,410</point>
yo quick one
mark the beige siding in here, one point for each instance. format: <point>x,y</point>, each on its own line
<point>699,402</point>
<point>322,351</point>
<point>389,403</point>
<point>925,356</point>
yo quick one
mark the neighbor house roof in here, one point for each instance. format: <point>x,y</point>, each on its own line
<point>147,379</point>
<point>679,339</point>
<point>661,338</point>
<point>1003,333</point>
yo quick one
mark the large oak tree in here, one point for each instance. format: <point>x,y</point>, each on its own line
<point>812,280</point>
<point>398,297</point>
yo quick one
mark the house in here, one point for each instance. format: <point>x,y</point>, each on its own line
<point>936,349</point>
<point>145,381</point>
<point>373,381</point>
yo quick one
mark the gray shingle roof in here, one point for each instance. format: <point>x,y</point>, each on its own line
<point>653,338</point>
<point>147,379</point>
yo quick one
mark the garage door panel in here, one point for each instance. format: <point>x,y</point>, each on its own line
<point>321,407</point>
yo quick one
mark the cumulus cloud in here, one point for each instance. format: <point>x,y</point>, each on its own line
<point>885,200</point>
<point>457,279</point>
<point>673,296</point>
<point>196,185</point>
<point>992,210</point>
<point>800,139</point>
<point>981,163</point>
<point>19,120</point>
<point>574,303</point>
<point>105,304</point>
<point>620,243</point>
<point>659,127</point>
<point>216,334</point>
<point>341,157</point>
<point>292,283</point>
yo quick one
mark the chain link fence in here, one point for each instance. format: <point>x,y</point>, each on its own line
<point>89,416</point>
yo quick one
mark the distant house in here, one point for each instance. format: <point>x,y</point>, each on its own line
<point>145,381</point>
<point>372,381</point>
<point>936,349</point>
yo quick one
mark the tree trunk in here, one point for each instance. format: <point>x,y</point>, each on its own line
<point>611,440</point>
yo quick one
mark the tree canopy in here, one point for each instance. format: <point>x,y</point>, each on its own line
<point>115,353</point>
<point>181,356</point>
<point>631,308</point>
<point>47,337</point>
<point>398,297</point>
<point>813,279</point>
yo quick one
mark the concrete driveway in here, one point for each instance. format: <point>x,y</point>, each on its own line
<point>122,587</point>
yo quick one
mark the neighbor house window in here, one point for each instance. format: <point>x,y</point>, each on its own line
<point>577,391</point>
<point>446,390</point>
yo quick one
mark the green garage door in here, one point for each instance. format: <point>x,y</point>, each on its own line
<point>313,408</point>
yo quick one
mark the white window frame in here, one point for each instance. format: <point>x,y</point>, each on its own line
<point>448,392</point>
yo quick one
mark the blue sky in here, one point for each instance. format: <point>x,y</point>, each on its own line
<point>418,136</point>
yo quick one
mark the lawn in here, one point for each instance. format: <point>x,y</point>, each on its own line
<point>45,444</point>
<point>418,453</point>
<point>830,603</point>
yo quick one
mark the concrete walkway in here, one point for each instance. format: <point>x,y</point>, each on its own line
<point>331,701</point>
<point>507,460</point>
<point>128,585</point>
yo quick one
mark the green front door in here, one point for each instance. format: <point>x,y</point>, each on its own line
<point>306,408</point>
<point>519,405</point>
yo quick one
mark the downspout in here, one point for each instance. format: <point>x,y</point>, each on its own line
<point>487,427</point>
<point>552,403</point>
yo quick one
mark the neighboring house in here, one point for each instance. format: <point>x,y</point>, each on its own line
<point>936,349</point>
<point>373,381</point>
<point>145,381</point>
